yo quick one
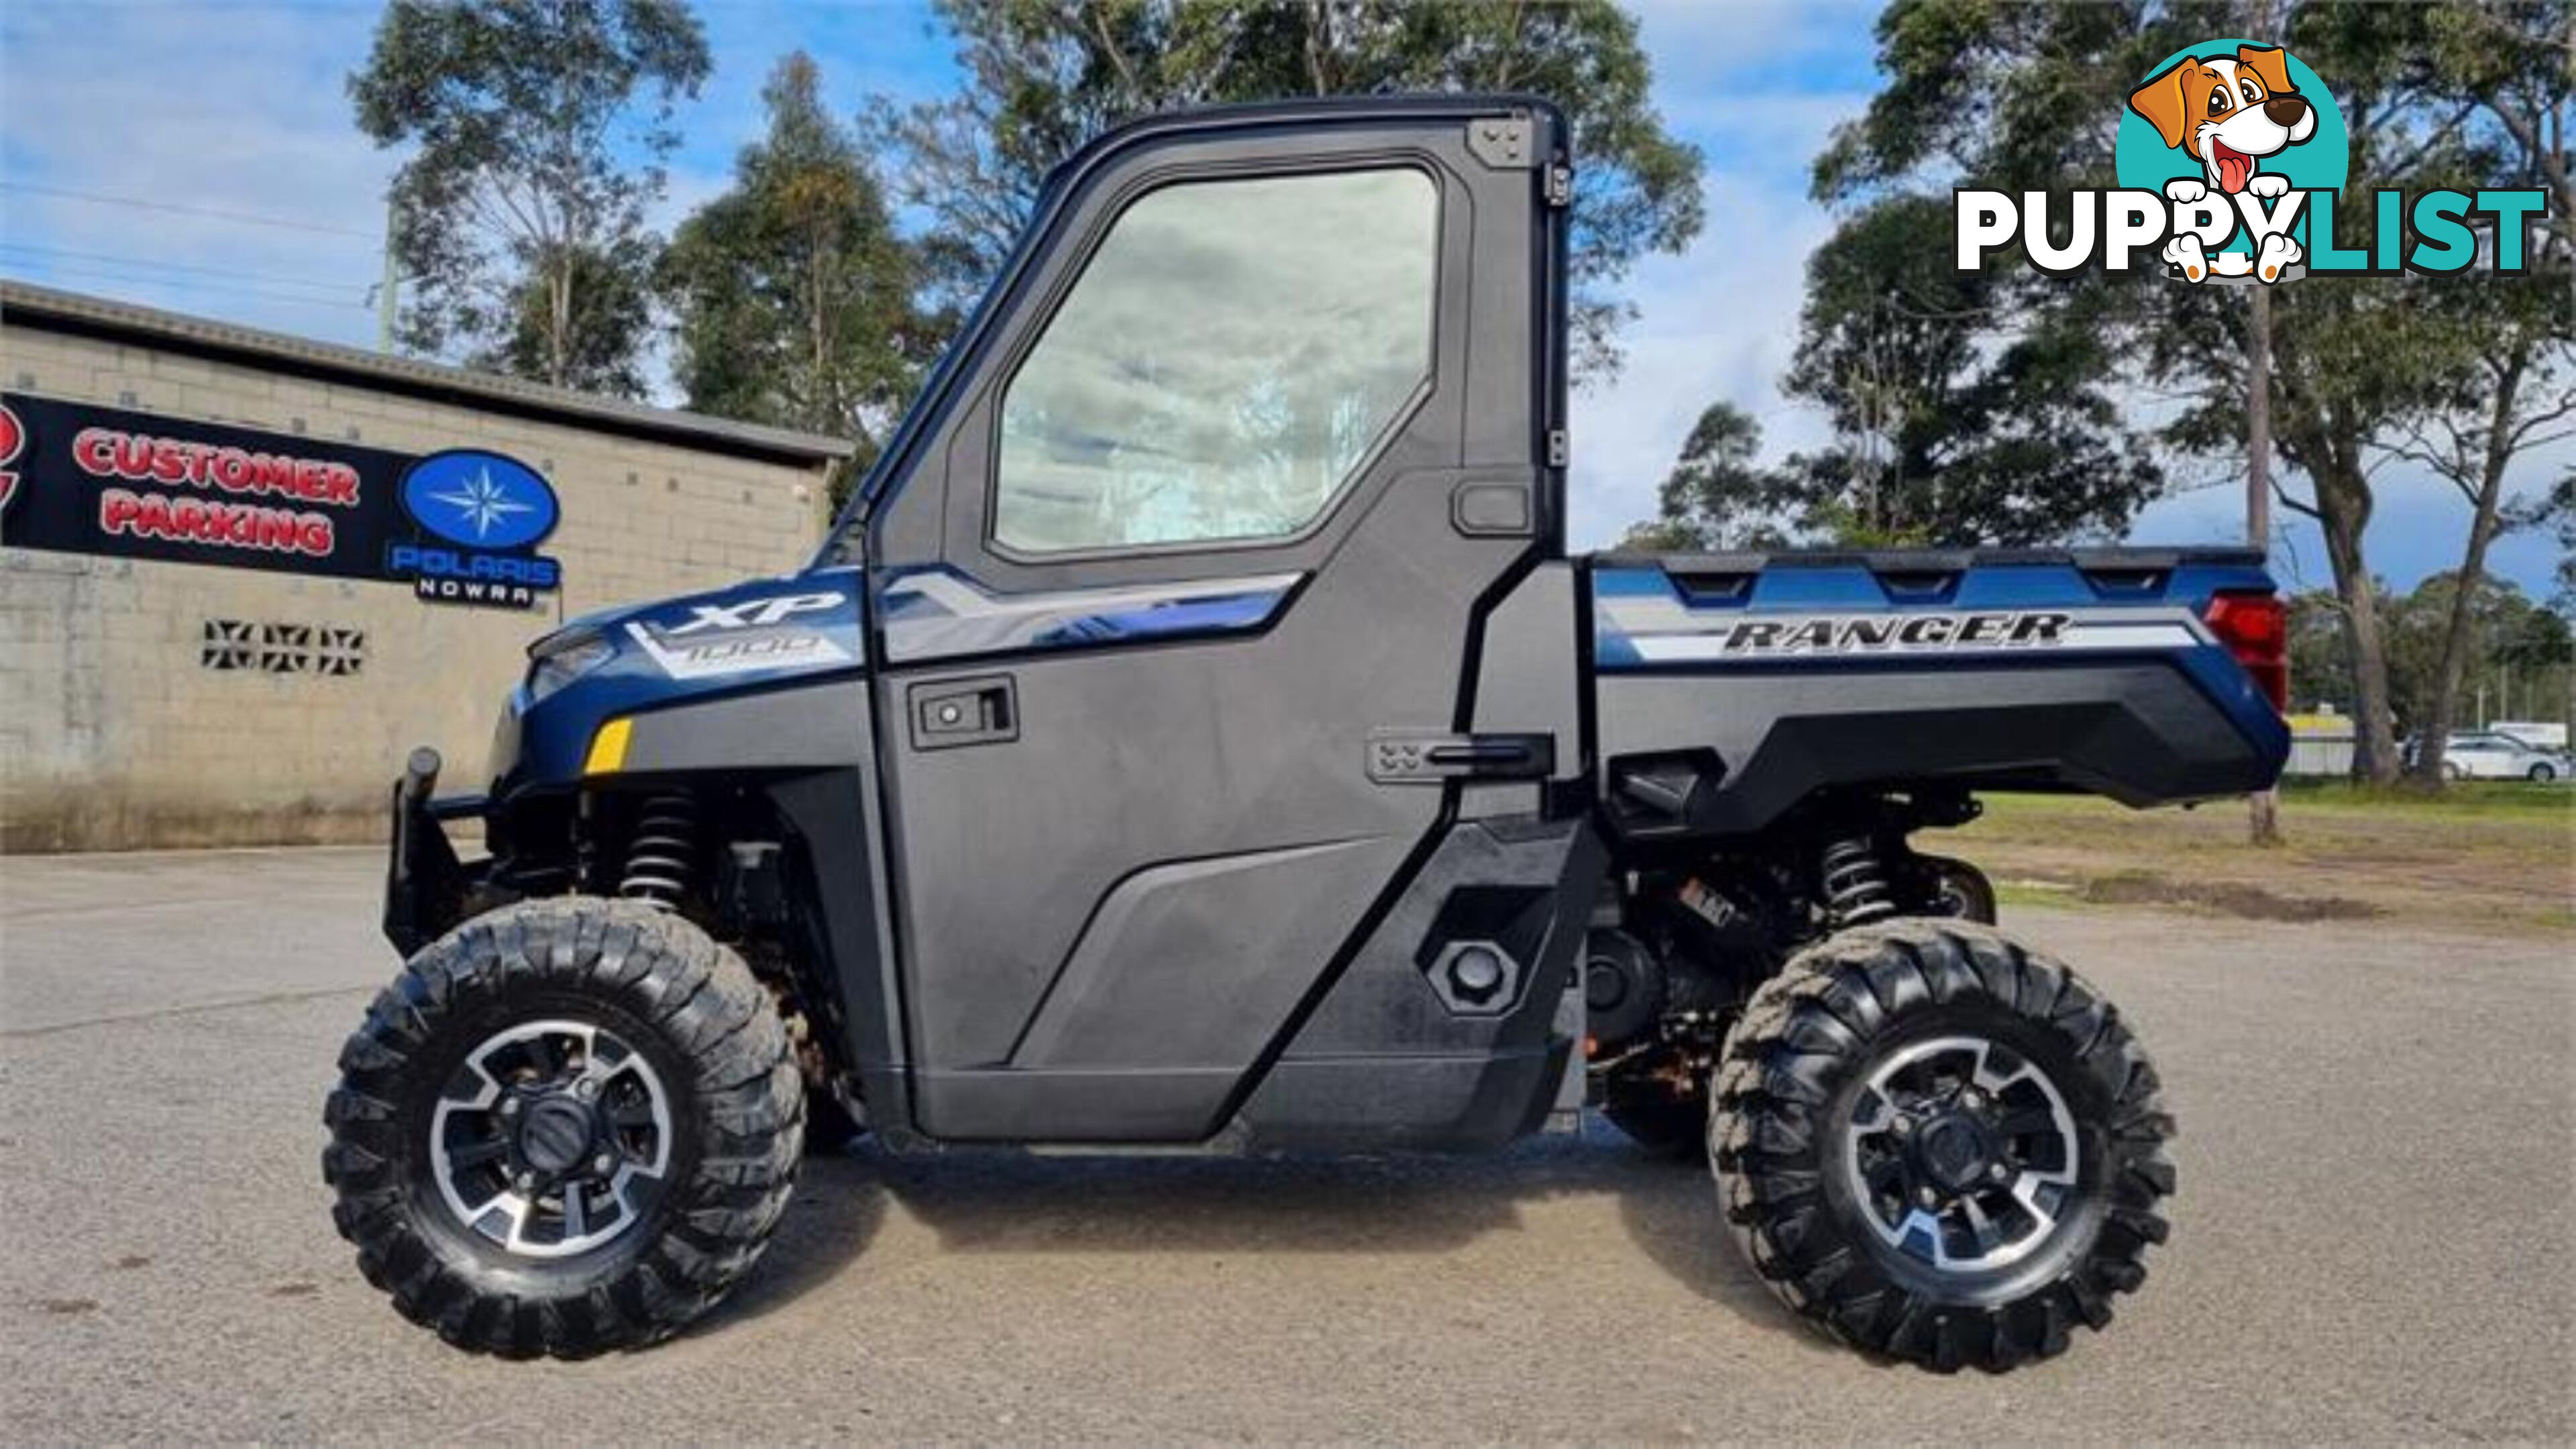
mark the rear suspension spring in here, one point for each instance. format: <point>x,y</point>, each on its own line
<point>663,852</point>
<point>1855,882</point>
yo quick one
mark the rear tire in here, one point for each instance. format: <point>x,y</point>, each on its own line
<point>1939,1146</point>
<point>568,1126</point>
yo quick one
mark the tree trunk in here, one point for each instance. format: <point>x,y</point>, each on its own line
<point>2485,505</point>
<point>2343,512</point>
<point>2435,734</point>
<point>559,325</point>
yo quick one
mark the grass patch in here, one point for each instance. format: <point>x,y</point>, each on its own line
<point>2485,856</point>
<point>2471,798</point>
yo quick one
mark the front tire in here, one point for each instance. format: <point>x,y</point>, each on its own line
<point>1939,1146</point>
<point>2543,774</point>
<point>568,1126</point>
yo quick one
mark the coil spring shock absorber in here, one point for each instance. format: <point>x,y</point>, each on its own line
<point>1855,882</point>
<point>662,852</point>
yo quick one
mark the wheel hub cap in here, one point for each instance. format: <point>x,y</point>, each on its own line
<point>555,1133</point>
<point>551,1138</point>
<point>1954,1151</point>
<point>1961,1153</point>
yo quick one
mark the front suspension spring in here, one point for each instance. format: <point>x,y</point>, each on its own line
<point>661,856</point>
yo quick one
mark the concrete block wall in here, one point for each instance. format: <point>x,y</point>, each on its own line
<point>114,734</point>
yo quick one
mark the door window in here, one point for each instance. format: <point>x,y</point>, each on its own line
<point>1230,356</point>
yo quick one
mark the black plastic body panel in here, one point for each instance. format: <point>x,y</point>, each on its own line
<point>1382,1062</point>
<point>2139,732</point>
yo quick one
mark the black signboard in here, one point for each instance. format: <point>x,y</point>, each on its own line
<point>459,526</point>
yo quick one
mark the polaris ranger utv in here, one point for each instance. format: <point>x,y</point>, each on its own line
<point>1196,736</point>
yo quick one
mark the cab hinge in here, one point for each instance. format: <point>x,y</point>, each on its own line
<point>1558,453</point>
<point>1560,185</point>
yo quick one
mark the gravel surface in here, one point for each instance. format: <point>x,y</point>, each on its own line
<point>2371,1240</point>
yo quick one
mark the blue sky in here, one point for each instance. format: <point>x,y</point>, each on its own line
<point>238,108</point>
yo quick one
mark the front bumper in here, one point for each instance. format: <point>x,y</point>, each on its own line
<point>425,884</point>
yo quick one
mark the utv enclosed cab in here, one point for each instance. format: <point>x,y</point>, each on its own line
<point>1197,735</point>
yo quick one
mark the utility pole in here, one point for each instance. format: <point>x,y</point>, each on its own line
<point>2263,818</point>
<point>387,284</point>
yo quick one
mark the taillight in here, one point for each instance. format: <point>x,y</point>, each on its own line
<point>2256,629</point>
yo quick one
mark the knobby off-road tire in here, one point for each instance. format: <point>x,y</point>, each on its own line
<point>1822,1186</point>
<point>479,1063</point>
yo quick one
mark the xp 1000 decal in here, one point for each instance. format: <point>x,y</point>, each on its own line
<point>723,638</point>
<point>458,527</point>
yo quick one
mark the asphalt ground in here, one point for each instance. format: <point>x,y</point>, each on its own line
<point>2372,1238</point>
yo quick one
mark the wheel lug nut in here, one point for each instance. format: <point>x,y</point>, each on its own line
<point>586,1088</point>
<point>509,1106</point>
<point>1902,1127</point>
<point>1999,1172</point>
<point>1926,1196</point>
<point>524,1181</point>
<point>603,1164</point>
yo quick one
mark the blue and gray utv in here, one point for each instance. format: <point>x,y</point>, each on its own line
<point>1196,735</point>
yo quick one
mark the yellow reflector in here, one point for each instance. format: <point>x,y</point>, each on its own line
<point>608,748</point>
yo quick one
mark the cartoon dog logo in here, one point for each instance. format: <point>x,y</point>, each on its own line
<point>2228,114</point>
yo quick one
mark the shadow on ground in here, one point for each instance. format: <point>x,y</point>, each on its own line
<point>1006,1201</point>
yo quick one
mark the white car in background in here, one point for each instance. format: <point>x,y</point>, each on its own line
<point>2487,755</point>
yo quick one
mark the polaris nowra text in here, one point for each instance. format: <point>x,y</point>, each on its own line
<point>1196,734</point>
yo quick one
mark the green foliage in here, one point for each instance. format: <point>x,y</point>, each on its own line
<point>1968,409</point>
<point>600,349</point>
<point>2029,97</point>
<point>2556,511</point>
<point>1043,76</point>
<point>1716,497</point>
<point>518,227</point>
<point>792,295</point>
<point>1952,428</point>
<point>2513,644</point>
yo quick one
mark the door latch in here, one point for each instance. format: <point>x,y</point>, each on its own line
<point>947,713</point>
<point>1430,757</point>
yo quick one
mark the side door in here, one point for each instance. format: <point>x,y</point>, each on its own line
<point>1218,486</point>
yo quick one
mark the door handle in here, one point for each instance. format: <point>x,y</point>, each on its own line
<point>1430,757</point>
<point>948,713</point>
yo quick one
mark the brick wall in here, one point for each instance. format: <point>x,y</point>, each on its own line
<point>114,732</point>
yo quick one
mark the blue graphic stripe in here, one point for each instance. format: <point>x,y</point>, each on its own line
<point>939,613</point>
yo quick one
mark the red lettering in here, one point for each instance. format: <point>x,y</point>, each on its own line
<point>91,451</point>
<point>107,453</point>
<point>116,507</point>
<point>209,521</point>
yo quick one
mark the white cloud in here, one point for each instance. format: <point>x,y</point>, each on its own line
<point>213,109</point>
<point>1720,321</point>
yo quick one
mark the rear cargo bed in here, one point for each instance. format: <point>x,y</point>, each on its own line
<point>1761,678</point>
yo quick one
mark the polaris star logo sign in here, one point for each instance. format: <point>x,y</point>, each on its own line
<point>481,516</point>
<point>2231,158</point>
